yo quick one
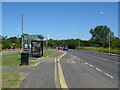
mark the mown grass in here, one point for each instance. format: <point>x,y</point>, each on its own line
<point>102,49</point>
<point>11,79</point>
<point>13,60</point>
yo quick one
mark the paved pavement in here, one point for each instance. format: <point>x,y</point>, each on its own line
<point>70,69</point>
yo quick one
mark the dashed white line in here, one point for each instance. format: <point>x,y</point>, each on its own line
<point>109,75</point>
<point>103,58</point>
<point>85,62</point>
<point>91,65</point>
<point>98,69</point>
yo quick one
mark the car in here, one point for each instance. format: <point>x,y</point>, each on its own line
<point>60,48</point>
<point>65,48</point>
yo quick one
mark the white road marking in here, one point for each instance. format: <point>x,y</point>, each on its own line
<point>91,65</point>
<point>73,62</point>
<point>55,76</point>
<point>109,75</point>
<point>98,69</point>
<point>85,62</point>
<point>103,58</point>
<point>67,61</point>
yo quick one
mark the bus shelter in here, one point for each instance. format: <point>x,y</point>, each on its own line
<point>32,46</point>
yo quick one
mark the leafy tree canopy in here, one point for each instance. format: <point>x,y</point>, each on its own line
<point>101,33</point>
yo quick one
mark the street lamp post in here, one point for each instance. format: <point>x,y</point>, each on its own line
<point>109,17</point>
<point>46,42</point>
<point>22,46</point>
<point>109,32</point>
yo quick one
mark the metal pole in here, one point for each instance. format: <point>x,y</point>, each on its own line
<point>109,17</point>
<point>46,43</point>
<point>22,46</point>
<point>109,32</point>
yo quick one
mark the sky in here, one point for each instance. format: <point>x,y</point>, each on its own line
<point>61,20</point>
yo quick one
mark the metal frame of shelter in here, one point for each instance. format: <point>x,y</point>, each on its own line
<point>33,44</point>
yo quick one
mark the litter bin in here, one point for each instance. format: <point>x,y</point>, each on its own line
<point>24,59</point>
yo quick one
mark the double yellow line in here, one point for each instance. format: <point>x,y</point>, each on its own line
<point>61,76</point>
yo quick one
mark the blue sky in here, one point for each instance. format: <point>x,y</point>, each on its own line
<point>62,20</point>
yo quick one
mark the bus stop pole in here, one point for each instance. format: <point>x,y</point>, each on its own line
<point>46,44</point>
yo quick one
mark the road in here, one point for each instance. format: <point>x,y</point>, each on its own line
<point>72,69</point>
<point>102,66</point>
<point>9,52</point>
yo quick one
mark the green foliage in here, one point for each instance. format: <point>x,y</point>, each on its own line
<point>115,42</point>
<point>6,44</point>
<point>101,34</point>
<point>100,38</point>
<point>11,43</point>
<point>102,49</point>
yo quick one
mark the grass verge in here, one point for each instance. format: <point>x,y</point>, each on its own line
<point>12,79</point>
<point>102,49</point>
<point>13,60</point>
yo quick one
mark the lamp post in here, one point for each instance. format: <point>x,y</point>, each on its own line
<point>109,31</point>
<point>109,20</point>
<point>22,46</point>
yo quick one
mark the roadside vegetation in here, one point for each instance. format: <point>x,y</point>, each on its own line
<point>101,49</point>
<point>100,40</point>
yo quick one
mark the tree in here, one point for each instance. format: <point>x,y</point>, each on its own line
<point>6,44</point>
<point>101,34</point>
